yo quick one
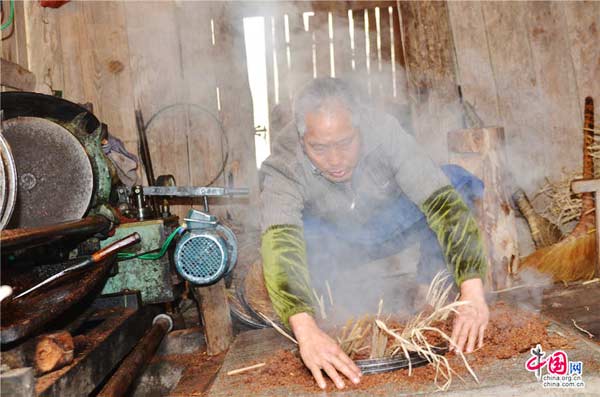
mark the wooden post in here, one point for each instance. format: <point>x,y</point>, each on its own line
<point>214,310</point>
<point>585,186</point>
<point>481,152</point>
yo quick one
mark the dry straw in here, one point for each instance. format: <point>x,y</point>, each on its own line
<point>384,341</point>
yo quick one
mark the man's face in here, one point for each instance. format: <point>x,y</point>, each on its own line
<point>331,142</point>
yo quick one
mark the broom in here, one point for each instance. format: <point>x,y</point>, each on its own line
<point>574,257</point>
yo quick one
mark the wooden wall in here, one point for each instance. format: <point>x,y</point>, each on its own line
<point>321,44</point>
<point>524,65</point>
<point>528,66</point>
<point>153,57</point>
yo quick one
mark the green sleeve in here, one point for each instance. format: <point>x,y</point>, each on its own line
<point>285,270</point>
<point>457,232</point>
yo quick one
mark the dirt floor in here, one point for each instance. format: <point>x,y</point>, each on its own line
<point>510,333</point>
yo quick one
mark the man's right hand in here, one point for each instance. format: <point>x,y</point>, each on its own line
<point>321,352</point>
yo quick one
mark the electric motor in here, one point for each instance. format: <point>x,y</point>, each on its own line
<point>207,251</point>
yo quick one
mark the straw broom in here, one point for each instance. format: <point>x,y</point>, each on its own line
<point>573,258</point>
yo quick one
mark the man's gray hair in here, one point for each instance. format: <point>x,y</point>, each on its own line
<point>320,92</point>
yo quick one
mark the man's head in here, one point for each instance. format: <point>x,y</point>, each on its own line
<point>326,114</point>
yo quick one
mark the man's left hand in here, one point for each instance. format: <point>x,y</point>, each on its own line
<point>472,319</point>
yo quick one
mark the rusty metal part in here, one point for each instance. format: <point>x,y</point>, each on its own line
<point>125,242</point>
<point>8,193</point>
<point>130,369</point>
<point>133,238</point>
<point>22,317</point>
<point>55,175</point>
<point>14,239</point>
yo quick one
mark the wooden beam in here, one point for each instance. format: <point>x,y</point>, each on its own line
<point>585,185</point>
<point>216,318</point>
<point>482,152</point>
<point>17,77</point>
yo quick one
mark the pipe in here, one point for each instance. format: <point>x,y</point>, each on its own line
<point>132,365</point>
<point>12,239</point>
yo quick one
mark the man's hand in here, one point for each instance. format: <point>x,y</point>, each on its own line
<point>471,320</point>
<point>320,352</point>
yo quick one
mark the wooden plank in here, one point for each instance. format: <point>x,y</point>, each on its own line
<point>387,77</point>
<point>428,48</point>
<point>21,34</point>
<point>576,302</point>
<point>269,7</point>
<point>236,110</point>
<point>585,185</point>
<point>375,88</point>
<point>17,77</point>
<point>474,68</point>
<point>360,44</point>
<point>301,53</point>
<point>556,84</point>
<point>320,29</point>
<point>583,34</point>
<point>342,6</point>
<point>400,82</point>
<point>281,113</point>
<point>107,74</point>
<point>216,318</point>
<point>518,102</point>
<point>281,48</point>
<point>205,140</point>
<point>9,36</point>
<point>95,39</point>
<point>14,38</point>
<point>74,40</point>
<point>44,51</point>
<point>157,78</point>
<point>341,45</point>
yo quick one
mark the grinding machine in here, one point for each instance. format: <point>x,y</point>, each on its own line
<point>87,255</point>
